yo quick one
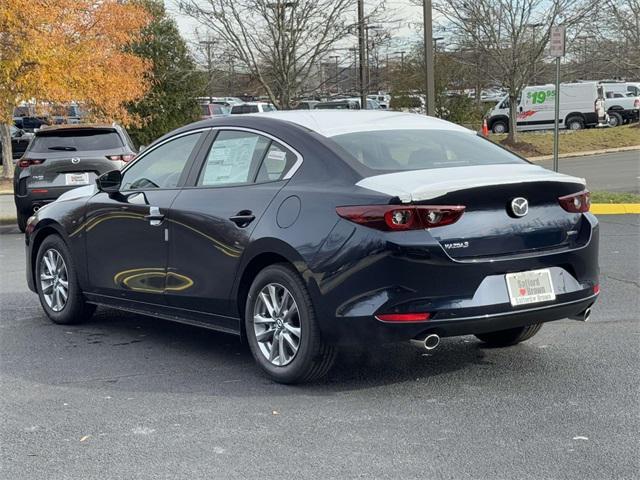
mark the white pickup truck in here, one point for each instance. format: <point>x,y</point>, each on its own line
<point>621,108</point>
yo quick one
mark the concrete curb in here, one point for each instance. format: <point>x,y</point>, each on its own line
<point>615,208</point>
<point>584,154</point>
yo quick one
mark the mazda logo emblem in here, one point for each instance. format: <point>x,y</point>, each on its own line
<point>75,160</point>
<point>520,206</point>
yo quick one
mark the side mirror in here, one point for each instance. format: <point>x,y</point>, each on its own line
<point>110,182</point>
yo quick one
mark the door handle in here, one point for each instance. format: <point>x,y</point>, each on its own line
<point>155,217</point>
<point>243,218</point>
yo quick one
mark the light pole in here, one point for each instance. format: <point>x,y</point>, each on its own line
<point>429,81</point>
<point>208,44</point>
<point>361,53</point>
<point>534,27</point>
<point>337,83</point>
<point>366,56</point>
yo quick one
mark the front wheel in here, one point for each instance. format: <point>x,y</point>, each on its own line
<point>282,329</point>
<point>499,126</point>
<point>505,338</point>
<point>57,284</point>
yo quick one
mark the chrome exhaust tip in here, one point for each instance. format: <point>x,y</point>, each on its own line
<point>429,342</point>
<point>36,208</point>
<point>583,316</point>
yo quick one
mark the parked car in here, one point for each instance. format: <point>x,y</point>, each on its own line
<point>535,110</point>
<point>338,105</point>
<point>61,158</point>
<point>383,100</point>
<point>306,104</point>
<point>252,107</point>
<point>301,231</point>
<point>621,108</point>
<point>31,124</point>
<point>212,110</point>
<point>19,142</point>
<point>71,114</point>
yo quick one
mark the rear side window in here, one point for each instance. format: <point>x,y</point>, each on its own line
<point>76,140</point>
<point>399,150</point>
<point>233,158</point>
<point>276,163</point>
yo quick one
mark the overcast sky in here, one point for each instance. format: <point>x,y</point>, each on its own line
<point>402,12</point>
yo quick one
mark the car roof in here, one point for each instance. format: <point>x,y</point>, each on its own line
<point>337,122</point>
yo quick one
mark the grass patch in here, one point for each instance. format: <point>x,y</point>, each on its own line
<point>614,197</point>
<point>532,144</point>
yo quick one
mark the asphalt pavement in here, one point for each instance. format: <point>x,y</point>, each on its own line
<point>132,397</point>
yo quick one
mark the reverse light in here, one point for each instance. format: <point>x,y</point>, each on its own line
<point>404,317</point>
<point>27,162</point>
<point>400,218</point>
<point>576,202</point>
<point>121,158</point>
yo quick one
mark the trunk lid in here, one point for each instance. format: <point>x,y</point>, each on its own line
<point>490,226</point>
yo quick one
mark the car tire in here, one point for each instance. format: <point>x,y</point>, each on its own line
<point>54,266</point>
<point>615,119</point>
<point>499,126</point>
<point>278,321</point>
<point>512,336</point>
<point>575,123</point>
<point>22,221</point>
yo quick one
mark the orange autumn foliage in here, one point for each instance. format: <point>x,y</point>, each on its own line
<point>72,50</point>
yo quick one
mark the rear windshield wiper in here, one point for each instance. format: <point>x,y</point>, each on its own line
<point>62,147</point>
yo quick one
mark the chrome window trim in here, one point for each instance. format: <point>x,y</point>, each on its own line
<point>167,140</point>
<point>299,159</point>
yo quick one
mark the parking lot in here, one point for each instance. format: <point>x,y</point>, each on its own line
<point>126,396</point>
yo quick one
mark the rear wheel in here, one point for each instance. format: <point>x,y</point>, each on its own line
<point>57,284</point>
<point>282,329</point>
<point>615,119</point>
<point>575,123</point>
<point>505,338</point>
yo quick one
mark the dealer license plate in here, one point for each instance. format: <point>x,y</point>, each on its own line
<point>530,287</point>
<point>76,178</point>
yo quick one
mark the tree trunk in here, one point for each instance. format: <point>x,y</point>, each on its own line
<point>513,119</point>
<point>7,160</point>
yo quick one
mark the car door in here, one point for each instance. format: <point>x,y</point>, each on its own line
<point>126,232</point>
<point>212,218</point>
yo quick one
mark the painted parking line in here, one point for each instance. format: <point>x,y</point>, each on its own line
<point>614,208</point>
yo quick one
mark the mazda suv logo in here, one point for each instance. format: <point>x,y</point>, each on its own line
<point>75,160</point>
<point>520,206</point>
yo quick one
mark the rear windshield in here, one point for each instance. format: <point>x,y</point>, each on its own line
<point>76,140</point>
<point>398,150</point>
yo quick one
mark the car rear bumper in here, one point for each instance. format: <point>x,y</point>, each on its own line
<point>363,330</point>
<point>38,197</point>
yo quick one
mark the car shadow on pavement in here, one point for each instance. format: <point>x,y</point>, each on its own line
<point>135,353</point>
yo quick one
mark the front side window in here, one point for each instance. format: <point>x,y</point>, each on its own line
<point>162,167</point>
<point>399,150</point>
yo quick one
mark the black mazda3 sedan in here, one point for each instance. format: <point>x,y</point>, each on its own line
<point>305,230</point>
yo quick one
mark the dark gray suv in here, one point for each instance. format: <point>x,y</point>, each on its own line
<point>64,157</point>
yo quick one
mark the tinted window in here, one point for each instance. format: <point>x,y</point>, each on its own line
<point>162,166</point>
<point>396,150</point>
<point>268,108</point>
<point>233,159</point>
<point>76,140</point>
<point>276,163</point>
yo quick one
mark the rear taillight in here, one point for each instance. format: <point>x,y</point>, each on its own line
<point>576,202</point>
<point>120,158</point>
<point>27,162</point>
<point>398,218</point>
<point>404,317</point>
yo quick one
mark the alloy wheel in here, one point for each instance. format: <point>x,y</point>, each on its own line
<point>276,324</point>
<point>54,280</point>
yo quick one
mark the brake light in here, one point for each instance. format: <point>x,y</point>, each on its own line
<point>121,158</point>
<point>399,218</point>
<point>27,162</point>
<point>404,317</point>
<point>576,202</point>
<point>596,289</point>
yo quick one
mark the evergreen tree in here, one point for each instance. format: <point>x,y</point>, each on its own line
<point>171,101</point>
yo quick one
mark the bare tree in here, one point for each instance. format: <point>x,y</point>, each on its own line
<point>279,42</point>
<point>504,32</point>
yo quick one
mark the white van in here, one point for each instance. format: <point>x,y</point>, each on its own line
<point>537,105</point>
